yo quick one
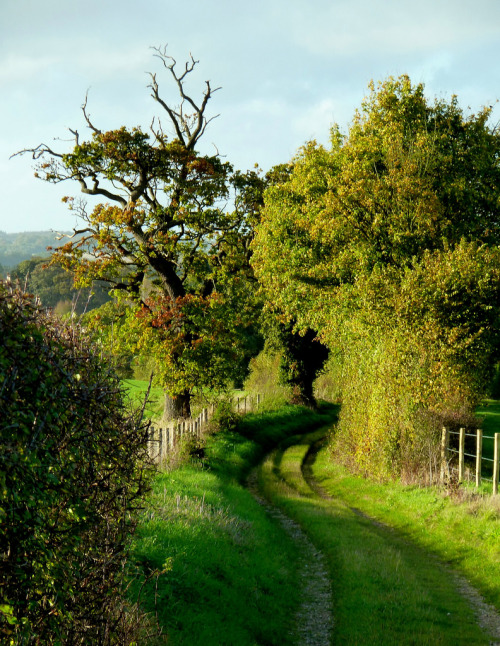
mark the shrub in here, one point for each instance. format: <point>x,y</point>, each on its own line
<point>73,471</point>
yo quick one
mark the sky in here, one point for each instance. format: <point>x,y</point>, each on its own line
<point>288,70</point>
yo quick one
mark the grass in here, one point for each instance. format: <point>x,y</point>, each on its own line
<point>489,412</point>
<point>387,588</point>
<point>136,391</point>
<point>463,531</point>
<point>229,573</point>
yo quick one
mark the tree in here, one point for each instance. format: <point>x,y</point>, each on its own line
<point>74,470</point>
<point>404,197</point>
<point>302,358</point>
<point>164,218</point>
<point>54,286</point>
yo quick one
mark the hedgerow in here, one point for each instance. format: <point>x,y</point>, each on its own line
<point>73,471</point>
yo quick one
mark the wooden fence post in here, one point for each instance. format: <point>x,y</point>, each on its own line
<point>445,438</point>
<point>496,456</point>
<point>150,442</point>
<point>479,455</point>
<point>165,434</point>
<point>160,446</point>
<point>461,456</point>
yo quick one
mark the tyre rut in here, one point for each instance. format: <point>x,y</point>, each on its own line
<point>313,622</point>
<point>488,618</point>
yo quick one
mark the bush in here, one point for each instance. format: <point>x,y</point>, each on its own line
<point>73,471</point>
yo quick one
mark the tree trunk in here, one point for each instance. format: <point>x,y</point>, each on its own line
<point>177,407</point>
<point>302,395</point>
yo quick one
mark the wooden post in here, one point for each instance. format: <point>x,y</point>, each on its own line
<point>164,445</point>
<point>258,401</point>
<point>479,455</point>
<point>461,456</point>
<point>445,438</point>
<point>150,442</point>
<point>496,456</point>
<point>160,446</point>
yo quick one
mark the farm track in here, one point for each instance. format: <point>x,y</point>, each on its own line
<point>487,616</point>
<point>313,622</point>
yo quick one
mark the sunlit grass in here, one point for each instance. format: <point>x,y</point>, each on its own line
<point>137,389</point>
<point>229,570</point>
<point>387,588</point>
<point>463,530</point>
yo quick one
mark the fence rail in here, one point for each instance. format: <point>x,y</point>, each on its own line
<point>478,456</point>
<point>163,441</point>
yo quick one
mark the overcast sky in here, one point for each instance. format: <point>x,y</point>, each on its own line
<point>288,70</point>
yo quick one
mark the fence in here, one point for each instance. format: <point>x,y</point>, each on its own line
<point>163,441</point>
<point>477,441</point>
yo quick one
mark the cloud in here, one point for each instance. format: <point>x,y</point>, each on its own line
<point>104,63</point>
<point>19,69</point>
<point>316,121</point>
<point>353,27</point>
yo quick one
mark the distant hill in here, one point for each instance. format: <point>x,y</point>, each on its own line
<point>16,247</point>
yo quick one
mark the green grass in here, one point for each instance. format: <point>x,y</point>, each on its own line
<point>463,531</point>
<point>489,412</point>
<point>136,390</point>
<point>230,571</point>
<point>388,586</point>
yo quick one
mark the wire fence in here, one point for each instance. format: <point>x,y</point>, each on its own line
<point>456,446</point>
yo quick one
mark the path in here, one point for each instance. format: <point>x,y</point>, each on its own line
<point>486,615</point>
<point>314,620</point>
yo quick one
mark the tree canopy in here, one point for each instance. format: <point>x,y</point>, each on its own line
<point>386,243</point>
<point>169,232</point>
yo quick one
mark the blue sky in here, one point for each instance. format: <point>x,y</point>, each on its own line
<point>288,70</point>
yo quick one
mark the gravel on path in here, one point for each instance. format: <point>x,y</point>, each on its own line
<point>313,622</point>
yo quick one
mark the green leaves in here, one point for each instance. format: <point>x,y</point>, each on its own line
<point>73,470</point>
<point>387,245</point>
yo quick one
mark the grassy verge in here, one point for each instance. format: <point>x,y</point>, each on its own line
<point>462,530</point>
<point>228,569</point>
<point>387,588</point>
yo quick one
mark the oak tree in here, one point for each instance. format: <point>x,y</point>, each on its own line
<point>168,231</point>
<point>386,244</point>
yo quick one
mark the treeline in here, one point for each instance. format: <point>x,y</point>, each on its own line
<point>55,288</point>
<point>16,247</point>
